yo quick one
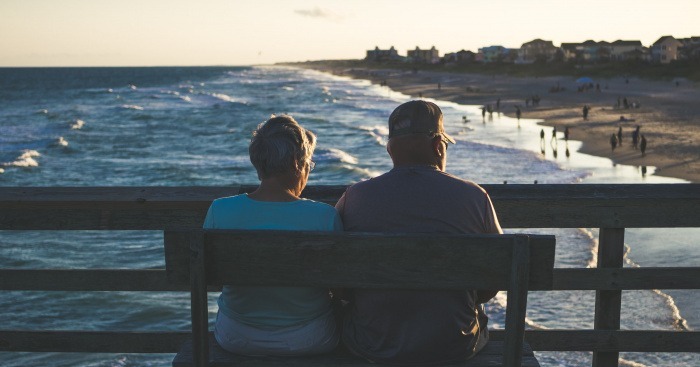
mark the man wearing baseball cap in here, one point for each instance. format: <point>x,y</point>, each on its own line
<point>417,195</point>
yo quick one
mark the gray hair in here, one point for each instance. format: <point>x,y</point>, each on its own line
<point>280,145</point>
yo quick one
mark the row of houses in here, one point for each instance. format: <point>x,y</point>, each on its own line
<point>665,50</point>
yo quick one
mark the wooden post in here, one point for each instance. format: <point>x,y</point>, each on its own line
<point>199,304</point>
<point>608,303</point>
<point>517,302</point>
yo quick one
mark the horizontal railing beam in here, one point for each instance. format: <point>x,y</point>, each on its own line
<point>627,278</point>
<point>170,341</point>
<point>92,341</point>
<point>609,340</point>
<point>155,279</point>
<point>86,280</point>
<point>518,206</point>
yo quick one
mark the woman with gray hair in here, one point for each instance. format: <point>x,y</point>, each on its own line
<point>276,320</point>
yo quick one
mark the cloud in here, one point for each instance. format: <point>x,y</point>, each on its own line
<point>317,12</point>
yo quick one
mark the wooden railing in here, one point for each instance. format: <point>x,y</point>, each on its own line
<point>612,208</point>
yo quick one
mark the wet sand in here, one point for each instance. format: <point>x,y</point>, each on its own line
<point>668,114</point>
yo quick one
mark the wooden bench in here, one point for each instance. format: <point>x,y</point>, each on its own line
<point>207,258</point>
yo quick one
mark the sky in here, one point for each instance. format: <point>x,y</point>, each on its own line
<point>238,32</point>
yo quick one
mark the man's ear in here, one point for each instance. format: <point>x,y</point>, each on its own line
<point>436,145</point>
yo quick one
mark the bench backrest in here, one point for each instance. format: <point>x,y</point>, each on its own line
<point>514,263</point>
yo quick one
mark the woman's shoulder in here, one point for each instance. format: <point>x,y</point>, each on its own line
<point>316,205</point>
<point>230,200</point>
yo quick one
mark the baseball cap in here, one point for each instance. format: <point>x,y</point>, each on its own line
<point>417,117</point>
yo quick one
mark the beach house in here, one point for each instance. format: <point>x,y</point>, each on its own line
<point>459,57</point>
<point>492,54</point>
<point>621,50</point>
<point>431,56</point>
<point>537,50</point>
<point>382,55</point>
<point>690,49</point>
<point>665,50</point>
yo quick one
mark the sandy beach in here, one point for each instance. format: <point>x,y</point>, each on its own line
<point>667,112</point>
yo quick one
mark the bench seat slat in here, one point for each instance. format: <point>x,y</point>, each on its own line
<point>491,355</point>
<point>357,260</point>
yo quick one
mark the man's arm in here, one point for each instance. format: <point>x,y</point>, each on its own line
<point>491,225</point>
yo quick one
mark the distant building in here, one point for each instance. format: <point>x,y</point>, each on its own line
<point>492,54</point>
<point>571,51</point>
<point>690,49</point>
<point>626,50</point>
<point>665,50</point>
<point>382,55</point>
<point>431,56</point>
<point>459,57</point>
<point>537,50</point>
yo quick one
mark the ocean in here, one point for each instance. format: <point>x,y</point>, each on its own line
<point>183,126</point>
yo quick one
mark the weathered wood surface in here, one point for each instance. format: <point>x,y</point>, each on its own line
<point>491,355</point>
<point>517,301</point>
<point>518,206</point>
<point>651,341</point>
<point>92,341</point>
<point>367,260</point>
<point>171,341</point>
<point>608,303</point>
<point>87,280</point>
<point>156,279</point>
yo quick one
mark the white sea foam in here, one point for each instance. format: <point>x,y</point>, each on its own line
<point>288,88</point>
<point>131,107</point>
<point>77,124</point>
<point>2,170</point>
<point>43,112</point>
<point>186,98</point>
<point>26,159</point>
<point>223,97</point>
<point>333,154</point>
<point>62,142</point>
<point>627,362</point>
<point>109,90</point>
<point>379,133</point>
<point>132,87</point>
<point>679,323</point>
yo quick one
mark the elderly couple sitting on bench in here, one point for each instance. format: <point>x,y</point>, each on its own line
<point>416,196</point>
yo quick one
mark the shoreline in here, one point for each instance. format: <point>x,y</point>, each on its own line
<point>668,114</point>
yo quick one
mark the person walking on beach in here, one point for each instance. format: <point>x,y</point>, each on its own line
<point>585,112</point>
<point>643,145</point>
<point>619,136</point>
<point>566,133</point>
<point>613,141</point>
<point>518,113</point>
<point>417,196</point>
<point>553,140</point>
<point>635,137</point>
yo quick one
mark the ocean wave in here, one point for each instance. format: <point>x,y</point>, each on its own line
<point>334,155</point>
<point>186,98</point>
<point>42,112</point>
<point>77,125</point>
<point>678,323</point>
<point>289,89</point>
<point>61,142</point>
<point>379,133</point>
<point>223,97</point>
<point>26,159</point>
<point>131,107</point>
<point>2,170</point>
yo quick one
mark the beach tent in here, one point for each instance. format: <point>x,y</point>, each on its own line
<point>584,80</point>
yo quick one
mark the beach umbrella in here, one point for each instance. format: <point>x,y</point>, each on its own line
<point>584,80</point>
